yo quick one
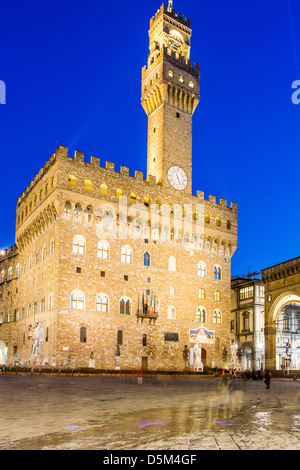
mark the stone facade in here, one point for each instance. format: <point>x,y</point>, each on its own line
<point>282,289</point>
<point>248,322</point>
<point>94,244</point>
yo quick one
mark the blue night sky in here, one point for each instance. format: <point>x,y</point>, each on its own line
<point>72,71</point>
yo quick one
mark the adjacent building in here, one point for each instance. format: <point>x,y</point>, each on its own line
<point>248,323</point>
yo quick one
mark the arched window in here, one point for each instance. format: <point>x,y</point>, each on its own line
<point>119,192</point>
<point>202,294</point>
<point>88,215</point>
<point>101,303</point>
<point>9,275</point>
<point>146,259</point>
<point>2,278</point>
<point>218,222</point>
<point>201,314</point>
<point>172,263</point>
<point>217,272</point>
<point>119,337</point>
<point>201,269</point>
<point>77,300</point>
<point>217,319</point>
<point>207,218</point>
<point>125,306</point>
<point>79,245</point>
<point>133,198</point>
<point>67,210</point>
<point>50,301</point>
<point>52,246</point>
<point>18,270</point>
<point>146,201</point>
<point>88,184</point>
<point>44,252</point>
<point>171,313</point>
<point>103,249</point>
<point>72,180</point>
<point>126,254</point>
<point>217,296</point>
<point>83,336</point>
<point>98,216</point>
<point>31,261</point>
<point>228,224</point>
<point>103,189</point>
<point>77,216</point>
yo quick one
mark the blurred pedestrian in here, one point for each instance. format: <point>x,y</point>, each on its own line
<point>267,379</point>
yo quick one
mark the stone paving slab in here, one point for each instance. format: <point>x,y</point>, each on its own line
<point>193,415</point>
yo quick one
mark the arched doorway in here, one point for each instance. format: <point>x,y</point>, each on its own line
<point>246,357</point>
<point>282,331</point>
<point>203,356</point>
<point>3,353</point>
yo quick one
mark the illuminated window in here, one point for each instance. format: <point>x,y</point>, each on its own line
<point>218,222</point>
<point>119,192</point>
<point>172,263</point>
<point>79,245</point>
<point>72,180</point>
<point>246,293</point>
<point>201,314</point>
<point>18,270</point>
<point>88,184</point>
<point>191,84</point>
<point>207,219</point>
<point>77,300</point>
<point>132,198</point>
<point>103,189</point>
<point>202,294</point>
<point>103,249</point>
<point>126,254</point>
<point>171,73</point>
<point>217,296</point>
<point>201,270</point>
<point>181,79</point>
<point>101,303</point>
<point>217,318</point>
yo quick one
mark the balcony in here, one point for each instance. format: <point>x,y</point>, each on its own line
<point>141,316</point>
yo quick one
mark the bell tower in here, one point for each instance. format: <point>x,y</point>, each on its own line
<point>170,95</point>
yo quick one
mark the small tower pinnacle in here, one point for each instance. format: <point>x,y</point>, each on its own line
<point>170,6</point>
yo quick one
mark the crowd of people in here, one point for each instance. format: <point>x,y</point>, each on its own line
<point>247,375</point>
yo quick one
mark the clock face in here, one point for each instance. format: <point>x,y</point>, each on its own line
<point>177,178</point>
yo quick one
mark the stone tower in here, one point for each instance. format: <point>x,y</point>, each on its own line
<point>170,95</point>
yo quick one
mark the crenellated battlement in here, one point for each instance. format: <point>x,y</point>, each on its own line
<point>8,252</point>
<point>175,59</point>
<point>178,17</point>
<point>110,170</point>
